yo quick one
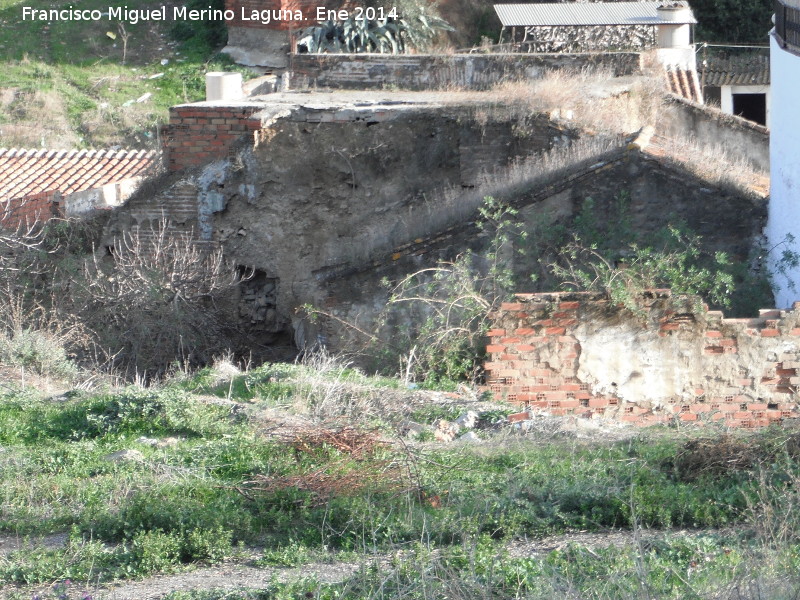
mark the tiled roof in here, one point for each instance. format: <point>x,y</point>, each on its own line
<point>740,70</point>
<point>27,172</point>
<point>592,13</point>
<point>684,82</point>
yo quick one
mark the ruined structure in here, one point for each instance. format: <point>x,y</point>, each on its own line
<point>322,196</point>
<point>576,354</point>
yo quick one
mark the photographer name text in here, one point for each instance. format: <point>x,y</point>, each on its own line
<point>182,13</point>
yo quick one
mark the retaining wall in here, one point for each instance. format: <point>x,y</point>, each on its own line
<point>576,354</point>
<point>711,127</point>
<point>425,72</point>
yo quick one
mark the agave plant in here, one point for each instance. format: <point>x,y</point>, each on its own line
<point>383,35</point>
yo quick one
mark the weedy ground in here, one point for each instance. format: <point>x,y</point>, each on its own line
<point>294,464</point>
<point>73,84</point>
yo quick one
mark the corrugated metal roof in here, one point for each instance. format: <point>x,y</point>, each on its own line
<point>740,70</point>
<point>593,13</point>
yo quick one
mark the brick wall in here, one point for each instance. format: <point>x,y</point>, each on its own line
<point>202,132</point>
<point>421,72</point>
<point>574,354</point>
<point>26,211</point>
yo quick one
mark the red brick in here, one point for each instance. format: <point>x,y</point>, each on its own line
<point>568,305</point>
<point>512,306</point>
<point>727,342</point>
<point>522,331</point>
<point>524,347</point>
<point>713,334</point>
<point>495,348</point>
<point>570,403</point>
<point>688,416</point>
<point>756,406</point>
<point>570,387</point>
<point>495,332</point>
<point>510,340</point>
<point>770,333</point>
<point>795,331</point>
<point>713,350</point>
<point>670,327</point>
<point>598,402</point>
<point>700,408</point>
<point>554,331</point>
<point>785,372</point>
<point>517,417</point>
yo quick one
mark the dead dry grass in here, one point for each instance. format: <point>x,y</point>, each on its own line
<point>38,119</point>
<point>592,99</point>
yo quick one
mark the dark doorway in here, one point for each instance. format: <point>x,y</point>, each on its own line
<point>751,106</point>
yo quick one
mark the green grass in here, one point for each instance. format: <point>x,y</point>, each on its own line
<point>187,502</point>
<point>65,84</point>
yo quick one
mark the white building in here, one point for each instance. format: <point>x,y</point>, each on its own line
<point>739,84</point>
<point>784,149</point>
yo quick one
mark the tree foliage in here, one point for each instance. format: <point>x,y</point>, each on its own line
<point>733,21</point>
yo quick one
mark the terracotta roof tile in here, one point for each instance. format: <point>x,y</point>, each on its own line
<point>685,83</point>
<point>738,70</point>
<point>27,172</point>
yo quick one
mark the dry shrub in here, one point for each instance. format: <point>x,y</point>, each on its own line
<point>154,301</point>
<point>321,485</point>
<point>591,98</point>
<point>716,457</point>
<point>347,440</point>
<point>40,120</point>
<point>716,165</point>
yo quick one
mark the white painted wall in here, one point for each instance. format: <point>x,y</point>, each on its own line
<point>784,151</point>
<point>727,92</point>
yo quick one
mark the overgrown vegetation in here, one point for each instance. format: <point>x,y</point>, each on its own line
<point>152,300</point>
<point>65,84</point>
<point>199,477</point>
<point>432,329</point>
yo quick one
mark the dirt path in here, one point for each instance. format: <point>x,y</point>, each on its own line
<point>242,574</point>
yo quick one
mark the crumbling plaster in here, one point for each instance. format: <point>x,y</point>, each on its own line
<point>576,353</point>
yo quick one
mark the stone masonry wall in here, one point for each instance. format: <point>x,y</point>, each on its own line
<point>424,72</point>
<point>575,354</point>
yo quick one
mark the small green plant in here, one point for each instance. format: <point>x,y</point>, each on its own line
<point>676,265</point>
<point>444,309</point>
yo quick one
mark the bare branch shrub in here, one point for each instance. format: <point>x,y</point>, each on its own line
<point>155,300</point>
<point>34,333</point>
